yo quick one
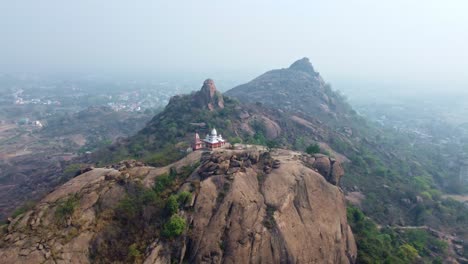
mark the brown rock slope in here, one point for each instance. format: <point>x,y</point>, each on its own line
<point>209,96</point>
<point>248,206</point>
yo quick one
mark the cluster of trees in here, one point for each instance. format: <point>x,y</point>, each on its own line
<point>387,245</point>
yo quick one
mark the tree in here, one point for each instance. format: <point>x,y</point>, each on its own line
<point>271,144</point>
<point>172,205</point>
<point>174,227</point>
<point>407,252</point>
<point>313,149</point>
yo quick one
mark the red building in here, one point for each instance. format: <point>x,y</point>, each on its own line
<point>197,143</point>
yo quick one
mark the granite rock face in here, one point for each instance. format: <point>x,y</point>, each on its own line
<point>248,206</point>
<point>209,96</point>
<point>289,214</point>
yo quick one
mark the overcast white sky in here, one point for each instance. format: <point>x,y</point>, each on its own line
<point>418,41</point>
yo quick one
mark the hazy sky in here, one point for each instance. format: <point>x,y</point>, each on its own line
<point>417,41</point>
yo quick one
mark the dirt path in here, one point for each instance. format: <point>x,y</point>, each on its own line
<point>460,198</point>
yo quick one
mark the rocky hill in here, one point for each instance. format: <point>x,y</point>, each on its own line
<point>298,88</point>
<point>209,96</point>
<point>168,135</point>
<point>393,181</point>
<point>229,206</point>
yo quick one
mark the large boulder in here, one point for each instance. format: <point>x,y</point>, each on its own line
<point>291,215</point>
<point>323,165</point>
<point>337,172</point>
<point>209,96</point>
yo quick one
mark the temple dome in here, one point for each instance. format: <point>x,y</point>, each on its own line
<point>214,132</point>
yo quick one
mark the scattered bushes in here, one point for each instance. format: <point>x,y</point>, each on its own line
<point>66,208</point>
<point>162,183</point>
<point>141,216</point>
<point>163,157</point>
<point>388,246</point>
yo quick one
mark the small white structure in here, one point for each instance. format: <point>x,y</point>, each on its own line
<point>38,124</point>
<point>213,140</point>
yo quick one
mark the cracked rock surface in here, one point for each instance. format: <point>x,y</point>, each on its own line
<point>287,214</point>
<point>249,206</point>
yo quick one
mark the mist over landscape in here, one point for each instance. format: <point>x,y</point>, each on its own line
<point>233,132</point>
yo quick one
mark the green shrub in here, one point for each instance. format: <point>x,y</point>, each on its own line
<point>408,253</point>
<point>271,144</point>
<point>162,183</point>
<point>313,149</point>
<point>133,251</point>
<point>235,140</point>
<point>128,208</point>
<point>174,227</point>
<point>426,195</point>
<point>66,208</point>
<point>183,198</point>
<point>172,205</point>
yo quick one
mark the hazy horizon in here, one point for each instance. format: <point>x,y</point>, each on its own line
<point>417,44</point>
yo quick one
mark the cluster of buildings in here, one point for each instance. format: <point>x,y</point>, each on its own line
<point>130,107</point>
<point>211,141</point>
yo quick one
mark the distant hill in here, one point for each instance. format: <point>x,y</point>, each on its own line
<point>298,88</point>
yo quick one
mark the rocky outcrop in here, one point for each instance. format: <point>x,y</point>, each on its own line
<point>303,65</point>
<point>248,206</point>
<point>329,168</point>
<point>44,236</point>
<point>290,215</point>
<point>209,96</point>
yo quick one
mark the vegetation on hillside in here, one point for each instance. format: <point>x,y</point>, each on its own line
<point>393,246</point>
<point>169,134</point>
<point>143,215</point>
<point>401,181</point>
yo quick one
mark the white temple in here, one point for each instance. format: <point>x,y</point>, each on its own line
<point>213,140</point>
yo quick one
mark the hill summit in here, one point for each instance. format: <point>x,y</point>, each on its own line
<point>303,65</point>
<point>298,88</point>
<point>209,96</point>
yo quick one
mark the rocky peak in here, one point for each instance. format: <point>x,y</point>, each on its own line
<point>209,88</point>
<point>303,65</point>
<point>209,96</point>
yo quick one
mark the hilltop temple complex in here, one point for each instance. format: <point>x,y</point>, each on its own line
<point>211,141</point>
